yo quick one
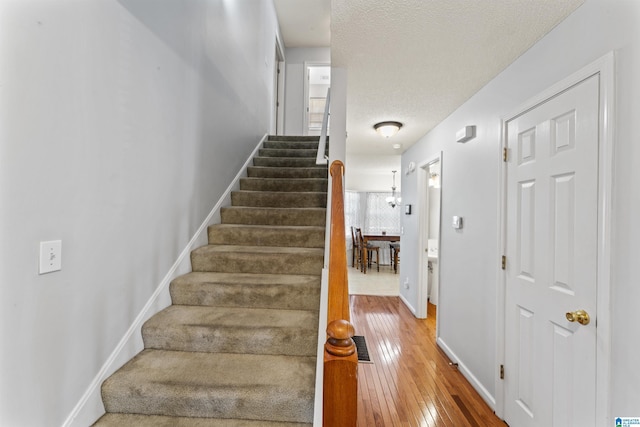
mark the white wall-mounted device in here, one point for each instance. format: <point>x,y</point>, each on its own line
<point>410,168</point>
<point>457,222</point>
<point>466,133</point>
<point>50,256</point>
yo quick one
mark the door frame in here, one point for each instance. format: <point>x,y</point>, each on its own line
<point>423,227</point>
<point>604,67</point>
<point>278,88</point>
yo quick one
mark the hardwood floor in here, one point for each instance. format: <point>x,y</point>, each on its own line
<point>410,382</point>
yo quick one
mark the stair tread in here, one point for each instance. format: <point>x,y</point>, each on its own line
<point>286,172</point>
<point>177,383</point>
<point>279,193</point>
<point>198,316</point>
<point>281,291</point>
<point>241,249</point>
<point>246,278</point>
<point>277,228</point>
<point>276,208</point>
<point>264,235</point>
<point>137,420</point>
<point>293,138</point>
<point>233,330</point>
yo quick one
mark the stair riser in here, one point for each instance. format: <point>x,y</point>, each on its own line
<point>283,152</point>
<point>267,236</point>
<point>294,138</point>
<point>267,263</point>
<point>257,216</point>
<point>287,162</point>
<point>275,172</point>
<point>173,402</point>
<point>285,184</point>
<point>120,420</point>
<point>266,199</point>
<point>291,341</point>
<point>304,296</point>
<point>291,145</point>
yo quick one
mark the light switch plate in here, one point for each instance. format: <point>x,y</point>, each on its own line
<point>50,256</point>
<point>457,222</point>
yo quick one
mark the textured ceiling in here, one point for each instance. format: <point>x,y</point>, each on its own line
<point>417,61</point>
<point>413,61</point>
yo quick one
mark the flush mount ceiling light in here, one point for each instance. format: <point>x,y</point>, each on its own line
<point>387,129</point>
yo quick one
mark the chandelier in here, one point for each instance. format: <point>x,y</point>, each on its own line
<point>393,200</point>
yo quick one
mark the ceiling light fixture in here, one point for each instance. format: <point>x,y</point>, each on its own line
<point>387,129</point>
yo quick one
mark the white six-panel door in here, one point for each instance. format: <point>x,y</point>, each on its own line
<point>551,250</point>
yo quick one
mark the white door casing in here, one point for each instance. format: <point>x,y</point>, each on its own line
<point>551,249</point>
<point>423,211</point>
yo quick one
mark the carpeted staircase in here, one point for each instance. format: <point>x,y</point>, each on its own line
<point>238,346</point>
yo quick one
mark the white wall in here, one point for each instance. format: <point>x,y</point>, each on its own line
<point>470,176</point>
<point>121,124</point>
<point>372,172</point>
<point>294,84</point>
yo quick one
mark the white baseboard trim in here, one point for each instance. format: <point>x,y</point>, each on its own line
<point>477,385</point>
<point>322,338</point>
<point>90,406</point>
<point>408,304</point>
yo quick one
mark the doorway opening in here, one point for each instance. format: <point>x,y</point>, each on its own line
<point>317,82</point>
<point>429,189</point>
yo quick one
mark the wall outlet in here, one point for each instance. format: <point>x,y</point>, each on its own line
<point>50,256</point>
<point>406,283</point>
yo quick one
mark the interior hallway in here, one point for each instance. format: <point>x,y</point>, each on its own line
<point>410,382</point>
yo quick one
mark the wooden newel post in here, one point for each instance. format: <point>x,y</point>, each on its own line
<point>340,399</point>
<point>340,376</point>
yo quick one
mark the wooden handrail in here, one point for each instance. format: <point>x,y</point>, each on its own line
<point>340,380</point>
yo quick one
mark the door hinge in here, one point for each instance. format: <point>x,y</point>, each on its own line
<point>505,154</point>
<point>504,262</point>
<point>501,372</point>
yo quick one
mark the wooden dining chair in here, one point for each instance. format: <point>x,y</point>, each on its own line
<point>356,252</point>
<point>370,250</point>
<point>395,246</point>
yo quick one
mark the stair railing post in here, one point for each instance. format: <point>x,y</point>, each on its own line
<point>340,357</point>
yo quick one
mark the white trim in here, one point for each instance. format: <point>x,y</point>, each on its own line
<point>90,406</point>
<point>501,283</point>
<point>322,338</point>
<point>278,86</point>
<point>408,304</point>
<point>605,68</point>
<point>423,226</point>
<point>466,372</point>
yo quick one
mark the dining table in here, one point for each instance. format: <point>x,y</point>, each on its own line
<point>376,238</point>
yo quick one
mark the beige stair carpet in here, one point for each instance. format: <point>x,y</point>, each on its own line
<point>237,347</point>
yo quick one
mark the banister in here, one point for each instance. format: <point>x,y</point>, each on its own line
<point>340,358</point>
<point>321,158</point>
<point>338,286</point>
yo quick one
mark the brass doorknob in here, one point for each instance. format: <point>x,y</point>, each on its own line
<point>579,316</point>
